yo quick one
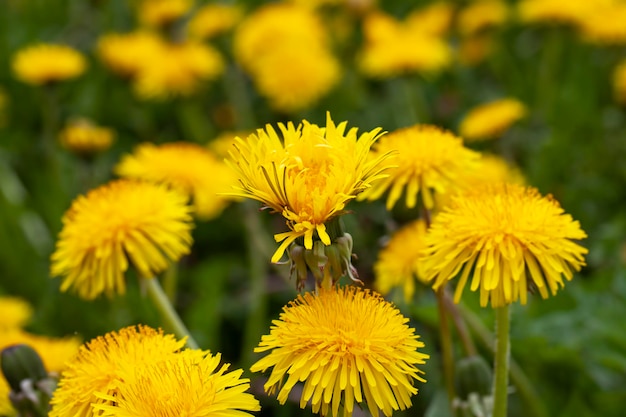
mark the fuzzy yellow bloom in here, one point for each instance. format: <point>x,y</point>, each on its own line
<point>398,263</point>
<point>393,48</point>
<point>346,345</point>
<point>185,385</point>
<point>481,15</point>
<point>491,120</point>
<point>572,12</point>
<point>429,161</point>
<point>177,69</point>
<point>162,12</point>
<point>97,369</point>
<point>127,53</point>
<point>213,19</point>
<point>119,223</point>
<point>605,25</point>
<point>619,82</point>
<point>309,176</point>
<point>14,312</point>
<point>54,351</point>
<point>434,19</point>
<point>46,63</point>
<point>191,168</point>
<point>508,238</point>
<point>84,138</point>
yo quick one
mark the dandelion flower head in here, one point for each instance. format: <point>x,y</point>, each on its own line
<point>84,138</point>
<point>213,19</point>
<point>185,385</point>
<point>605,25</point>
<point>492,119</point>
<point>570,12</point>
<point>191,168</point>
<point>309,176</point>
<point>508,238</point>
<point>429,161</point>
<point>398,263</point>
<point>157,13</point>
<point>434,19</point>
<point>15,312</point>
<point>99,364</point>
<point>46,63</point>
<point>346,345</point>
<point>481,15</point>
<point>126,53</point>
<point>121,222</point>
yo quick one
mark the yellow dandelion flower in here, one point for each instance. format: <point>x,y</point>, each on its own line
<point>214,19</point>
<point>619,82</point>
<point>99,363</point>
<point>84,138</point>
<point>509,238</point>
<point>570,12</point>
<point>434,19</point>
<point>46,63</point>
<point>144,223</point>
<point>15,312</point>
<point>605,25</point>
<point>311,74</point>
<point>162,12</point>
<point>429,161</point>
<point>126,53</point>
<point>308,177</point>
<point>54,351</point>
<point>398,262</point>
<point>491,120</point>
<point>177,69</point>
<point>481,15</point>
<point>346,345</point>
<point>191,168</point>
<point>185,385</point>
<point>493,169</point>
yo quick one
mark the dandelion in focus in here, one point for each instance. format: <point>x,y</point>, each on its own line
<point>85,139</point>
<point>491,120</point>
<point>190,168</point>
<point>47,63</point>
<point>187,384</point>
<point>95,371</point>
<point>429,161</point>
<point>119,223</point>
<point>346,345</point>
<point>398,263</point>
<point>508,238</point>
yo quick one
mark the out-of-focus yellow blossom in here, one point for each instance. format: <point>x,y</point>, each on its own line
<point>84,138</point>
<point>392,48</point>
<point>14,312</point>
<point>606,25</point>
<point>570,12</point>
<point>481,15</point>
<point>398,263</point>
<point>491,120</point>
<point>619,82</point>
<point>213,19</point>
<point>54,352</point>
<point>46,63</point>
<point>177,69</point>
<point>474,49</point>
<point>162,12</point>
<point>187,166</point>
<point>223,143</point>
<point>127,53</point>
<point>285,49</point>
<point>434,19</point>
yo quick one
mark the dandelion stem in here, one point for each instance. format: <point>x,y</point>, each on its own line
<point>446,345</point>
<point>170,317</point>
<point>501,366</point>
<point>460,325</point>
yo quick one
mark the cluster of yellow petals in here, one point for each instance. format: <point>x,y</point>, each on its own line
<point>309,176</point>
<point>285,49</point>
<point>84,138</point>
<point>508,238</point>
<point>398,263</point>
<point>491,120</point>
<point>213,19</point>
<point>16,312</point>
<point>162,12</point>
<point>605,24</point>
<point>191,168</point>
<point>120,222</point>
<point>480,15</point>
<point>126,53</point>
<point>394,47</point>
<point>571,12</point>
<point>46,63</point>
<point>428,160</point>
<point>346,345</point>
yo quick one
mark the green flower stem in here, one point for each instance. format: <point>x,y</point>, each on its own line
<point>523,386</point>
<point>446,345</point>
<point>501,362</point>
<point>170,317</point>
<point>460,325</point>
<point>258,285</point>
<point>170,281</point>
